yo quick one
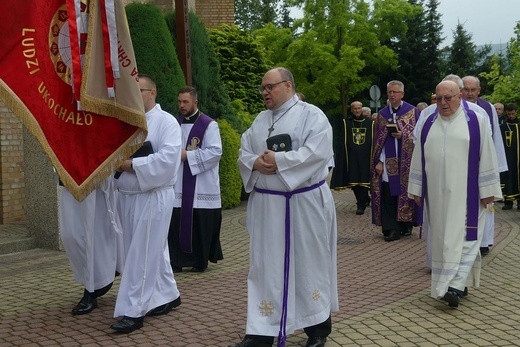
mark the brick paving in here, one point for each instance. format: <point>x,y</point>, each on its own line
<point>383,286</point>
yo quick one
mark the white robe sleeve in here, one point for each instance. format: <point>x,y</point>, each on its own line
<point>207,157</point>
<point>161,167</point>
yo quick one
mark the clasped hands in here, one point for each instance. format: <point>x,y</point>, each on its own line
<point>266,163</point>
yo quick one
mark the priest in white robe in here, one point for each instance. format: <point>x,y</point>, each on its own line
<point>457,185</point>
<point>145,207</point>
<point>291,218</point>
<point>90,233</point>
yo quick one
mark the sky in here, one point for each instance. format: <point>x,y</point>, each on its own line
<point>491,21</point>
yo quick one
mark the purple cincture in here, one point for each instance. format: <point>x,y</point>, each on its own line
<point>282,334</point>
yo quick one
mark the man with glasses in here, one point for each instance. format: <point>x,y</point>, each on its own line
<point>454,172</point>
<point>470,93</point>
<point>392,152</point>
<point>291,218</point>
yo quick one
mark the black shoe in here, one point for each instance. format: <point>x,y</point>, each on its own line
<point>507,207</point>
<point>198,269</point>
<point>249,342</point>
<point>465,293</point>
<point>164,309</point>
<point>316,342</point>
<point>87,303</point>
<point>360,211</point>
<point>484,251</point>
<point>452,298</point>
<point>407,231</point>
<point>127,324</point>
<point>176,269</point>
<point>392,235</point>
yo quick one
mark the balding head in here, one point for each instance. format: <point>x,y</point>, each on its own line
<point>448,98</point>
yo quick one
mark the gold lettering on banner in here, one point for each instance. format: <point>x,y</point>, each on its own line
<point>75,117</point>
<point>30,52</point>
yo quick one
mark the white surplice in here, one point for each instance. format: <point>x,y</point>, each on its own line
<point>203,163</point>
<point>312,293</point>
<point>455,261</point>
<point>90,233</point>
<point>145,207</point>
<point>489,228</point>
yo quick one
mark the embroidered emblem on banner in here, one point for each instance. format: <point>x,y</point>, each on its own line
<point>195,141</point>
<point>359,135</point>
<point>392,166</point>
<point>266,308</point>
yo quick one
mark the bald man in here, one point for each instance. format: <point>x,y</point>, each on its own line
<point>455,185</point>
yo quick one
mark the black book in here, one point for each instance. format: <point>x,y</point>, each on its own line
<point>279,143</point>
<point>392,128</point>
<point>145,150</point>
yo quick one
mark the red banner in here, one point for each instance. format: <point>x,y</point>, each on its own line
<point>85,145</point>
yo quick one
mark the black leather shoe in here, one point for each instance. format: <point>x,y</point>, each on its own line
<point>127,324</point>
<point>465,292</point>
<point>176,269</point>
<point>507,207</point>
<point>452,298</point>
<point>360,211</point>
<point>87,303</point>
<point>484,251</point>
<point>392,235</point>
<point>316,342</point>
<point>165,309</point>
<point>249,342</point>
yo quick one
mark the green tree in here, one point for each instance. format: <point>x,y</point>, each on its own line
<point>243,64</point>
<point>341,46</point>
<point>254,14</point>
<point>506,88</point>
<point>155,53</point>
<point>463,57</point>
<point>213,97</point>
<point>418,52</point>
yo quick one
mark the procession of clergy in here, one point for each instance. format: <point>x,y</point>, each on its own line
<point>439,168</point>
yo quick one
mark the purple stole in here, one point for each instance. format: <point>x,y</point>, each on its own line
<point>472,195</point>
<point>189,181</point>
<point>487,107</point>
<point>282,334</point>
<point>392,158</point>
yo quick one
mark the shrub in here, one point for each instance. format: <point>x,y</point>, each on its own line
<point>155,53</point>
<point>230,180</point>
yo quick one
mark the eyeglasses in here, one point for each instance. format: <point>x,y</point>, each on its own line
<point>145,90</point>
<point>269,87</point>
<point>394,92</point>
<point>446,98</point>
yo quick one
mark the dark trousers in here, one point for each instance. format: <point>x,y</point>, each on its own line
<point>389,206</point>
<point>319,330</point>
<point>362,197</point>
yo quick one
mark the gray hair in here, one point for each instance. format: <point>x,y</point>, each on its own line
<point>454,78</point>
<point>286,75</point>
<point>396,83</point>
